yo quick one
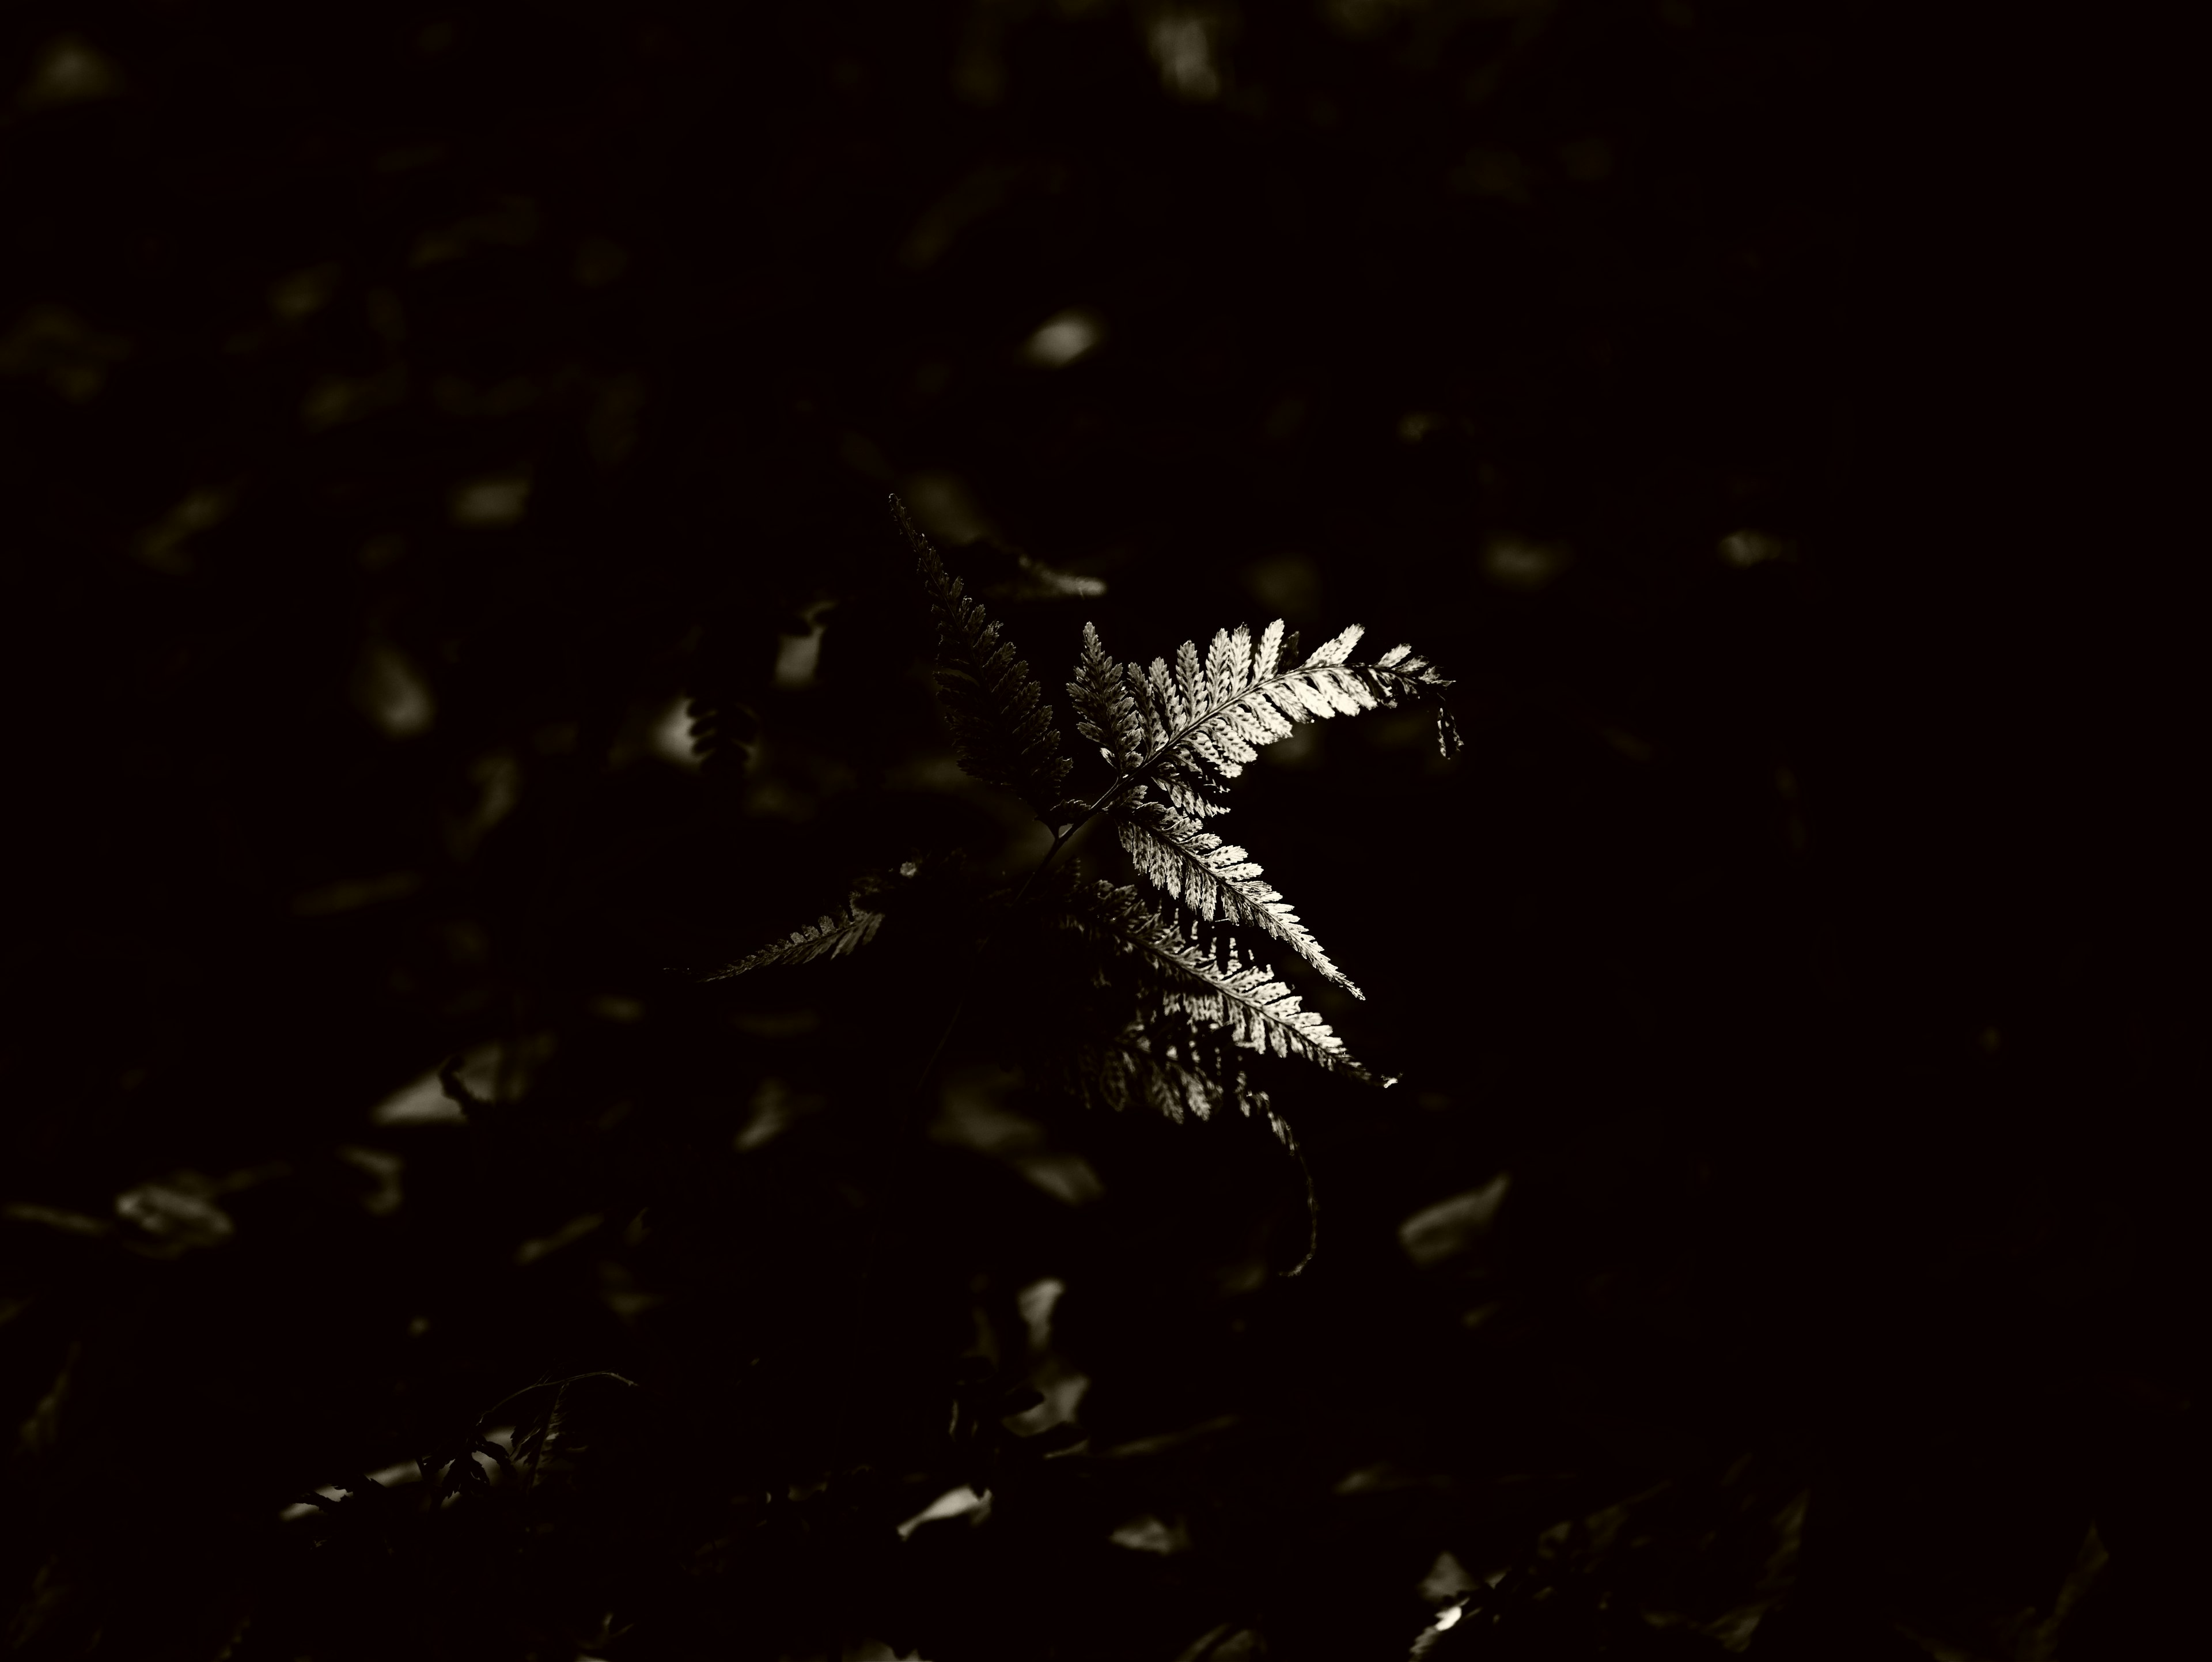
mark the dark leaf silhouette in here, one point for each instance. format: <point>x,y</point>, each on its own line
<point>1001,730</point>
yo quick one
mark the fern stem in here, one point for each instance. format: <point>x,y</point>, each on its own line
<point>1060,840</point>
<point>1066,834</point>
<point>959,1006</point>
<point>487,1416</point>
<point>1313,1201</point>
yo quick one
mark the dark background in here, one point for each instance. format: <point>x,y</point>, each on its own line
<point>1761,409</point>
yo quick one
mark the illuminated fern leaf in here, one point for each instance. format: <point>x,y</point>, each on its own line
<point>1203,723</point>
<point>1002,731</point>
<point>1178,736</point>
<point>1213,880</point>
<point>1245,1002</point>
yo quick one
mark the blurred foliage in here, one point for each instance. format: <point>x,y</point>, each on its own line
<point>407,414</point>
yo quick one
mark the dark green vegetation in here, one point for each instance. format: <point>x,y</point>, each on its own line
<point>1781,1212</point>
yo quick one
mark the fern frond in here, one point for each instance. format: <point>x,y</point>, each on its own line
<point>1131,1068</point>
<point>1001,731</point>
<point>1203,723</point>
<point>1214,881</point>
<point>1411,676</point>
<point>1177,737</point>
<point>1245,1001</point>
<point>828,937</point>
<point>1124,1070</point>
<point>1105,712</point>
<point>1134,1067</point>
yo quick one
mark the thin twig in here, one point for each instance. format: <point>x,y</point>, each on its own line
<point>1060,840</point>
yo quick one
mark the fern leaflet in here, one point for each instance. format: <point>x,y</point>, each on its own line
<point>1106,713</point>
<point>828,937</point>
<point>1001,731</point>
<point>1202,724</point>
<point>1246,1003</point>
<point>1214,881</point>
<point>1131,1067</point>
<point>1177,737</point>
<point>835,936</point>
